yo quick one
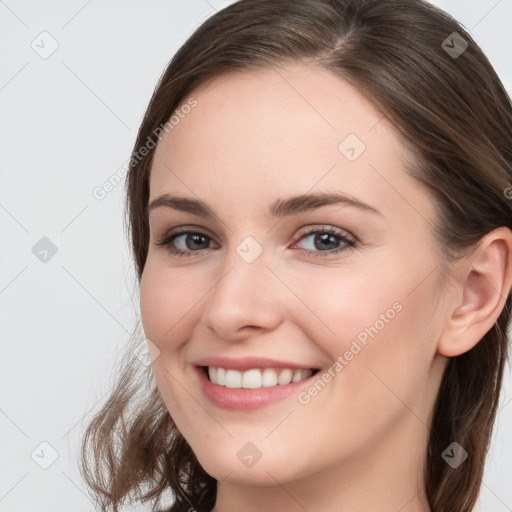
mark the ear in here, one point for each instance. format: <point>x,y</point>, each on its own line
<point>483,282</point>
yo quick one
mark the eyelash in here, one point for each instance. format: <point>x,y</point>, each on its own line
<point>350,242</point>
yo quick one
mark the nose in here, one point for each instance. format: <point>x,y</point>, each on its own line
<point>247,299</point>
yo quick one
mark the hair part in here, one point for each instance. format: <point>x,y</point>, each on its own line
<point>456,118</point>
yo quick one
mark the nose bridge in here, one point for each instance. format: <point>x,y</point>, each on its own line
<point>246,294</point>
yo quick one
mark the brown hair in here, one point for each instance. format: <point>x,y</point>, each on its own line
<point>455,114</point>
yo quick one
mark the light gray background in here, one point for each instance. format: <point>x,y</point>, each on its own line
<point>67,123</point>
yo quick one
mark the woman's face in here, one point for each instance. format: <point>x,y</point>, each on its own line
<point>359,300</point>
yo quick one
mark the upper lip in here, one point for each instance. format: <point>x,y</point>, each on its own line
<point>247,363</point>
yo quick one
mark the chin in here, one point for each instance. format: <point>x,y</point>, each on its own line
<point>230,469</point>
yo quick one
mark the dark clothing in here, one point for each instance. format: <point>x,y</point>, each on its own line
<point>175,508</point>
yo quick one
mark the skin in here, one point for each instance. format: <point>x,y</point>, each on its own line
<point>359,444</point>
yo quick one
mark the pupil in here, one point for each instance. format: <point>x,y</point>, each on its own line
<point>196,239</point>
<point>324,238</point>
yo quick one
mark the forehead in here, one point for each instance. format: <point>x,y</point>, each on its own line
<point>295,106</point>
<point>287,129</point>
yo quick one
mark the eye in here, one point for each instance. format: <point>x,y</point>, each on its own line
<point>185,242</point>
<point>326,241</point>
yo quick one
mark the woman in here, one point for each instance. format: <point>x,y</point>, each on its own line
<point>319,214</point>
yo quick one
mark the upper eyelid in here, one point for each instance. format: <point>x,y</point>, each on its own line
<point>175,232</point>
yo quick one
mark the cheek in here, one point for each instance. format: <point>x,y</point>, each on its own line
<point>168,315</point>
<point>167,302</point>
<point>375,323</point>
<point>153,296</point>
<point>348,304</point>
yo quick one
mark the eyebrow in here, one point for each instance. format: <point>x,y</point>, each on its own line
<point>279,209</point>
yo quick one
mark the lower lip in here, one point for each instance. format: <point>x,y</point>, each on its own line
<point>243,399</point>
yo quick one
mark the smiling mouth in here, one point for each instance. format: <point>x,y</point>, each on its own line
<point>256,377</point>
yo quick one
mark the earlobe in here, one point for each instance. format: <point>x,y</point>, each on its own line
<point>484,284</point>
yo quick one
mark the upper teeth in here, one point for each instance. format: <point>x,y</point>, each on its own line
<point>256,378</point>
